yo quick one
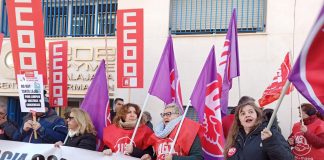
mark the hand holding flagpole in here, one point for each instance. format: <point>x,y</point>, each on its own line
<point>139,118</point>
<point>34,120</point>
<point>282,94</point>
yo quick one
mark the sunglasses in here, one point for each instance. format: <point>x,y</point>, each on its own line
<point>168,114</point>
<point>69,118</point>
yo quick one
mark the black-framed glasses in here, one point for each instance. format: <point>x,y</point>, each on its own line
<point>69,118</point>
<point>168,114</point>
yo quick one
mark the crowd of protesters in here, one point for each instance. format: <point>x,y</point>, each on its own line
<point>244,128</point>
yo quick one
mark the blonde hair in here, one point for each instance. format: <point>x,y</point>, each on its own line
<point>83,120</point>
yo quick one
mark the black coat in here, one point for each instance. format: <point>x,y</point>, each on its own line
<point>7,130</point>
<point>251,147</point>
<point>85,141</point>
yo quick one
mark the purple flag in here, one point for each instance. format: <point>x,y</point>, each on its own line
<point>205,100</point>
<point>307,74</point>
<point>166,84</point>
<point>96,101</point>
<point>229,66</point>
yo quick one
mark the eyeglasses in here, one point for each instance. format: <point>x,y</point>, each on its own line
<point>69,118</point>
<point>168,114</point>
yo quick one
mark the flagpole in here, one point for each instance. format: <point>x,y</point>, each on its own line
<point>282,94</point>
<point>179,128</point>
<point>107,104</point>
<point>300,110</point>
<point>239,86</point>
<point>129,94</point>
<point>139,118</point>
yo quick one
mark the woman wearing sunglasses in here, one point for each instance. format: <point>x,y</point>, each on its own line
<point>82,133</point>
<point>188,144</point>
<point>117,136</point>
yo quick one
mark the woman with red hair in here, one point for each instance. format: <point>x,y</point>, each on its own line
<point>117,136</point>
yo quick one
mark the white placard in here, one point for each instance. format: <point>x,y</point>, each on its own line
<point>31,93</point>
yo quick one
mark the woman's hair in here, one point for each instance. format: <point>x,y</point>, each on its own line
<point>245,99</point>
<point>236,126</point>
<point>311,110</point>
<point>267,113</point>
<point>121,114</point>
<point>83,120</point>
<point>148,116</point>
<point>174,107</point>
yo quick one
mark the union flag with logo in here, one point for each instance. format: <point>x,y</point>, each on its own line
<point>166,83</point>
<point>205,100</point>
<point>273,91</point>
<point>307,73</point>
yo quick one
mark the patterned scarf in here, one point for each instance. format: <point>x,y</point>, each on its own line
<point>163,131</point>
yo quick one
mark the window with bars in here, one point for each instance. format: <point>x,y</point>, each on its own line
<point>213,16</point>
<point>191,114</point>
<point>76,18</point>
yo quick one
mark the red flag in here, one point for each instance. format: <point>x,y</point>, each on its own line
<point>273,91</point>
<point>58,73</point>
<point>1,40</point>
<point>27,36</point>
<point>307,73</point>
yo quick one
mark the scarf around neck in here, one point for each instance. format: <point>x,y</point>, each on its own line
<point>162,131</point>
<point>73,133</point>
<point>127,125</point>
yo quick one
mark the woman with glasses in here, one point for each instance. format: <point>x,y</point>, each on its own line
<point>117,136</point>
<point>187,145</point>
<point>82,133</point>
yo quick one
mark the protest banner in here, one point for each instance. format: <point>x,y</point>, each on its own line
<point>11,150</point>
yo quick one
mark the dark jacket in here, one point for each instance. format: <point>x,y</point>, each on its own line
<point>85,141</point>
<point>149,124</point>
<point>52,129</point>
<point>195,152</point>
<point>112,115</point>
<point>7,130</point>
<point>251,147</point>
<point>137,152</point>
